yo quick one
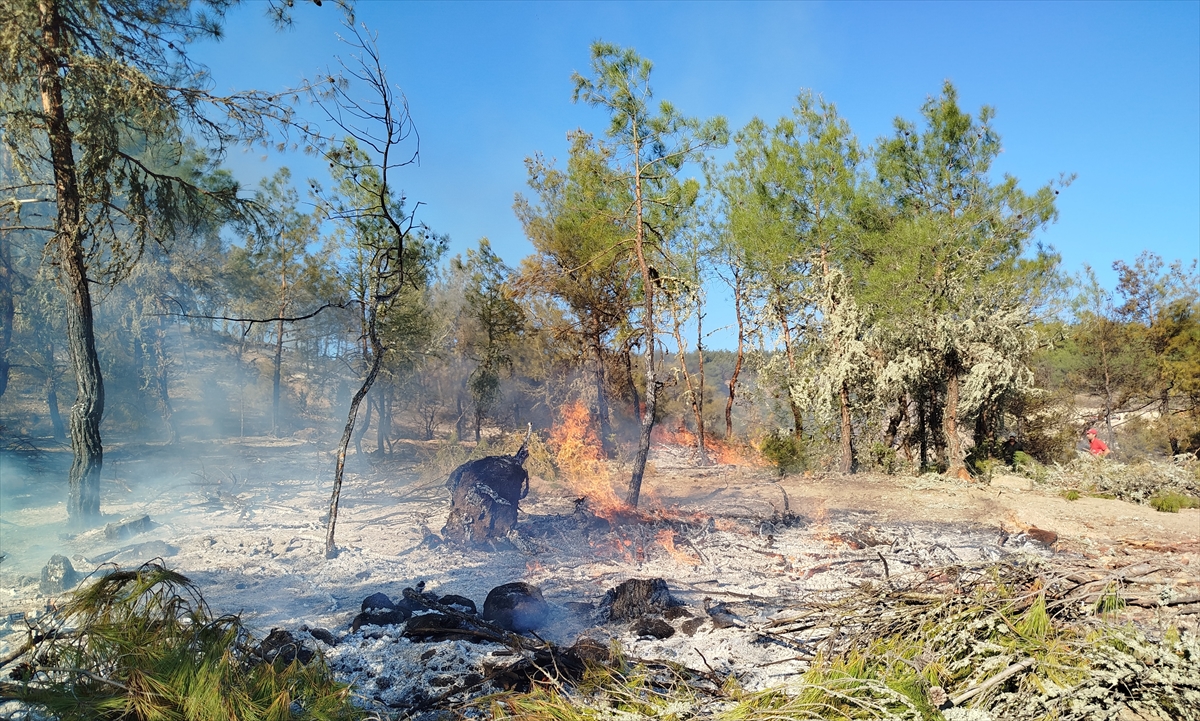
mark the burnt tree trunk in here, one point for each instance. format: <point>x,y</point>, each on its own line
<point>699,402</point>
<point>649,283</point>
<point>602,409</point>
<point>275,375</point>
<point>83,498</point>
<point>340,467</point>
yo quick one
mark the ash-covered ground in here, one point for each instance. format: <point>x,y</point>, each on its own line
<point>736,548</point>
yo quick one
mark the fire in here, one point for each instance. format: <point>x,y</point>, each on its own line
<point>726,453</point>
<point>578,456</point>
<point>666,539</point>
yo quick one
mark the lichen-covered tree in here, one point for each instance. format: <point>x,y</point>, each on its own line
<point>955,285</point>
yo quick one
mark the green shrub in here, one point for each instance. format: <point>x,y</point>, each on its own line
<point>140,645</point>
<point>1171,502</point>
<point>1071,495</point>
<point>785,451</point>
<point>884,459</point>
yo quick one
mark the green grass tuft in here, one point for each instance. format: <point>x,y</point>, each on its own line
<point>1172,502</point>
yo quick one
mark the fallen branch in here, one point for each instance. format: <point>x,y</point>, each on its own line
<point>991,683</point>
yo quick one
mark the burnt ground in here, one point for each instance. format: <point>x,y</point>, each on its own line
<point>243,520</point>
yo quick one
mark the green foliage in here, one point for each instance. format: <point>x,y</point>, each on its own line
<point>1171,502</point>
<point>884,458</point>
<point>1071,494</point>
<point>788,453</point>
<point>142,645</point>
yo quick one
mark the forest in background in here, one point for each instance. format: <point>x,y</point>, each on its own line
<point>894,308</point>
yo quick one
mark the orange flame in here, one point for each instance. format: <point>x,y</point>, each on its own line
<point>666,539</point>
<point>578,456</point>
<point>721,451</point>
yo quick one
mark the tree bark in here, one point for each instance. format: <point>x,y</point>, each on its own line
<point>847,431</point>
<point>161,383</point>
<point>340,467</point>
<point>954,455</point>
<point>741,352</point>
<point>797,412</point>
<point>56,421</point>
<point>7,310</point>
<point>275,376</point>
<point>639,241</point>
<point>83,498</point>
<point>602,406</point>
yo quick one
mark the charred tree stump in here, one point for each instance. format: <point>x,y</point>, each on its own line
<point>483,497</point>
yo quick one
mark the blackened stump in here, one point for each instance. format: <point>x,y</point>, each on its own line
<point>483,497</point>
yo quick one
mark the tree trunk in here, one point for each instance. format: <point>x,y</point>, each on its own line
<point>630,386</point>
<point>695,397</point>
<point>339,468</point>
<point>797,412</point>
<point>699,402</point>
<point>7,310</point>
<point>83,498</point>
<point>923,428</point>
<point>602,409</point>
<point>275,376</point>
<point>741,353</point>
<point>954,455</point>
<point>847,431</point>
<point>161,382</point>
<point>639,239</point>
<point>56,421</point>
<point>383,428</point>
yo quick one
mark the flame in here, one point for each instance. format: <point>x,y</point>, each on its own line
<point>666,539</point>
<point>724,452</point>
<point>578,456</point>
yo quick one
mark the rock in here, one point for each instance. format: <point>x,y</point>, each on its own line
<point>323,635</point>
<point>676,612</point>
<point>636,598</point>
<point>461,603</point>
<point>127,527</point>
<point>57,576</point>
<point>1042,536</point>
<point>691,625</point>
<point>378,602</point>
<point>653,627</point>
<point>379,610</point>
<point>518,607</point>
<point>281,645</point>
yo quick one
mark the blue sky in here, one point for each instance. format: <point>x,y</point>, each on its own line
<point>1109,91</point>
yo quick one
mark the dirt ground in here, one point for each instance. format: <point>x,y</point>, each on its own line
<point>1007,502</point>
